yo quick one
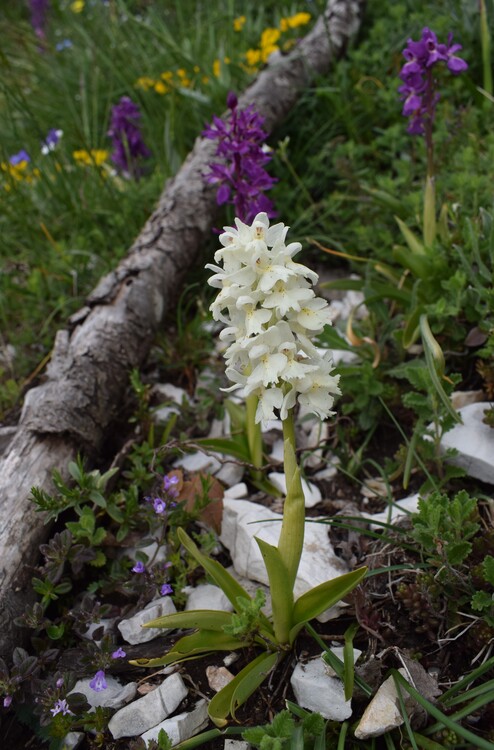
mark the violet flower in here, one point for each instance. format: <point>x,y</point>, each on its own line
<point>419,88</point>
<point>128,143</point>
<point>18,158</point>
<point>98,683</point>
<point>39,10</point>
<point>119,653</point>
<point>61,707</point>
<point>51,141</point>
<point>240,175</point>
<point>166,589</point>
<point>139,567</point>
<point>159,505</point>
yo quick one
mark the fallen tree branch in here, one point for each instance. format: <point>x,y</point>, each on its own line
<point>88,373</point>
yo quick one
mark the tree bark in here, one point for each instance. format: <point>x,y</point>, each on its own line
<point>89,368</point>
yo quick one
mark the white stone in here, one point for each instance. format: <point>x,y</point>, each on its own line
<point>153,551</point>
<point>207,596</point>
<point>312,493</point>
<point>330,470</point>
<point>236,745</point>
<point>115,694</point>
<point>230,473</point>
<point>218,677</point>
<point>131,628</point>
<point>170,392</point>
<point>198,462</point>
<point>107,625</point>
<point>242,521</point>
<point>152,708</point>
<point>72,740</point>
<point>474,442</point>
<point>277,454</point>
<point>317,691</point>
<point>236,491</point>
<point>396,510</point>
<point>383,712</point>
<point>182,727</point>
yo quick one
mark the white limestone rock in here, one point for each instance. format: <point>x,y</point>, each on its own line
<point>383,712</point>
<point>230,473</point>
<point>474,442</point>
<point>236,745</point>
<point>182,727</point>
<point>115,694</point>
<point>312,493</point>
<point>198,462</point>
<point>236,491</point>
<point>398,509</point>
<point>72,740</point>
<point>131,628</point>
<point>319,691</point>
<point>218,677</point>
<point>170,392</point>
<point>207,596</point>
<point>242,521</point>
<point>152,708</point>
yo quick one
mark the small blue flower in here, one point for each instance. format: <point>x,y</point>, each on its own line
<point>98,683</point>
<point>159,505</point>
<point>139,567</point>
<point>166,589</point>
<point>119,653</point>
<point>19,157</point>
<point>51,140</point>
<point>64,44</point>
<point>61,707</point>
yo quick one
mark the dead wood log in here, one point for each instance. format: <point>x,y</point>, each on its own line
<point>89,368</point>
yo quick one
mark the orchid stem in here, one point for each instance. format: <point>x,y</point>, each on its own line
<point>254,436</point>
<point>291,540</point>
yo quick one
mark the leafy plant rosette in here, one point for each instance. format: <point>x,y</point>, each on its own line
<point>271,314</point>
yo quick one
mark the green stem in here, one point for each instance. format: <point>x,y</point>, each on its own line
<point>291,539</point>
<point>254,435</point>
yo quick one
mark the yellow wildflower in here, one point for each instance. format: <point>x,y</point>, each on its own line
<point>77,6</point>
<point>268,45</point>
<point>184,78</point>
<point>161,88</point>
<point>253,57</point>
<point>167,76</point>
<point>216,68</point>
<point>292,22</point>
<point>145,83</point>
<point>95,157</point>
<point>238,23</point>
<point>196,69</point>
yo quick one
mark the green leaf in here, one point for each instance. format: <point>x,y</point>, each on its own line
<point>206,619</point>
<point>321,597</point>
<point>242,686</point>
<point>281,590</point>
<point>192,646</point>
<point>410,238</point>
<point>227,583</point>
<point>457,552</point>
<point>488,566</point>
<point>482,601</point>
<point>236,446</point>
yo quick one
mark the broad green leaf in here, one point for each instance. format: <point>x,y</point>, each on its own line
<point>246,682</point>
<point>236,446</point>
<point>417,264</point>
<point>192,646</point>
<point>206,619</point>
<point>435,364</point>
<point>411,330</point>
<point>429,212</point>
<point>281,590</point>
<point>321,597</point>
<point>227,583</point>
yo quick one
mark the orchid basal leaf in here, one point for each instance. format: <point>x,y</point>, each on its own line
<point>246,682</point>
<point>236,446</point>
<point>207,619</point>
<point>281,590</point>
<point>410,238</point>
<point>314,602</point>
<point>227,583</point>
<point>419,265</point>
<point>193,646</point>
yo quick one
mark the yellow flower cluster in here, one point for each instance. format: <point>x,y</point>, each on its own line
<point>270,38</point>
<point>20,172</point>
<point>77,6</point>
<point>169,80</point>
<point>95,157</point>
